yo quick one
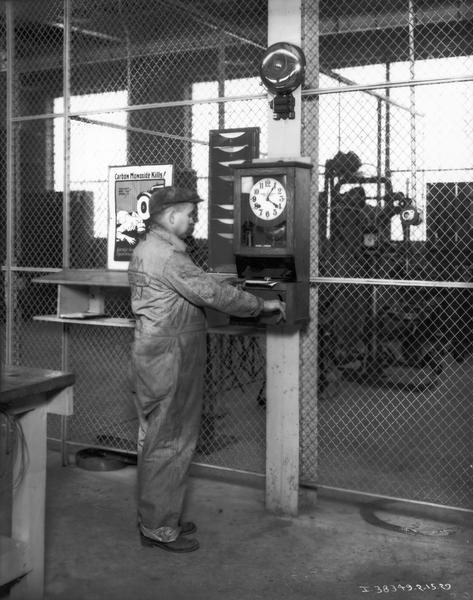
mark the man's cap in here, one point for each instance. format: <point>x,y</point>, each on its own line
<point>168,196</point>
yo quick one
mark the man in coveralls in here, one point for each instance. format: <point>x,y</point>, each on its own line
<point>168,294</point>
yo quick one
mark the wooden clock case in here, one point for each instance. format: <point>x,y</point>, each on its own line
<point>280,271</point>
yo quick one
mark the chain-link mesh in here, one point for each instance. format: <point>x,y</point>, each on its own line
<point>37,210</point>
<point>3,179</point>
<point>137,78</point>
<point>234,416</point>
<point>394,357</point>
<point>104,413</point>
<point>394,406</point>
<point>309,340</point>
<point>35,345</point>
<point>38,59</point>
<point>3,317</point>
<point>387,121</point>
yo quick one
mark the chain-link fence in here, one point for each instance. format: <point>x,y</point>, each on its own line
<point>99,84</point>
<point>387,121</point>
<point>393,266</point>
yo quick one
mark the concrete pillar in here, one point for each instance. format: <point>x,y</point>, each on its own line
<point>282,345</point>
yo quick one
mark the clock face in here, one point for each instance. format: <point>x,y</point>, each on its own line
<point>265,201</point>
<point>267,198</point>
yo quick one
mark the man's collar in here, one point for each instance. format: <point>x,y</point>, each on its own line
<point>168,236</point>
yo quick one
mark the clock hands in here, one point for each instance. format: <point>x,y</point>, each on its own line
<point>267,199</point>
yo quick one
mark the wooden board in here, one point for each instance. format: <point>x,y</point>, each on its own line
<point>92,277</point>
<point>18,383</point>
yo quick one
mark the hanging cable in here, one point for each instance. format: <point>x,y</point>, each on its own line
<point>15,446</point>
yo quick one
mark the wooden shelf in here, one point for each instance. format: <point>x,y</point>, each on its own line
<point>87,277</point>
<point>102,321</point>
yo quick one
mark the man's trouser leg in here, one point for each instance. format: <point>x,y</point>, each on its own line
<point>169,386</point>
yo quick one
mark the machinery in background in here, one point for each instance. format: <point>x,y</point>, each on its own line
<point>371,333</point>
<point>403,344</point>
<point>357,212</point>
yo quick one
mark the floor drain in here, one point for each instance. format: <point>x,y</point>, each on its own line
<point>403,523</point>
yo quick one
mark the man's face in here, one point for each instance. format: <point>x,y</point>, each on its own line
<point>185,217</point>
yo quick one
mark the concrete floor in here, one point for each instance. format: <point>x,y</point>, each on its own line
<point>329,552</point>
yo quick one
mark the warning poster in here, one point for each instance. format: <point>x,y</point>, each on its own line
<point>125,225</point>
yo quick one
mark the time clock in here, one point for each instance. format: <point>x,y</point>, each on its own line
<point>271,215</point>
<point>271,232</point>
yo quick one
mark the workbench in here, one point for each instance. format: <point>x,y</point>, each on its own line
<point>27,395</point>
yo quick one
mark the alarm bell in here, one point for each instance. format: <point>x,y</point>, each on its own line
<point>282,71</point>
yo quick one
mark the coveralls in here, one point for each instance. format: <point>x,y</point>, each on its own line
<point>168,293</point>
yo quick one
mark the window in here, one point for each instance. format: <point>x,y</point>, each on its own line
<point>94,147</point>
<point>442,146</point>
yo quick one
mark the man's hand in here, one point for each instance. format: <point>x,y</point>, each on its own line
<point>275,306</point>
